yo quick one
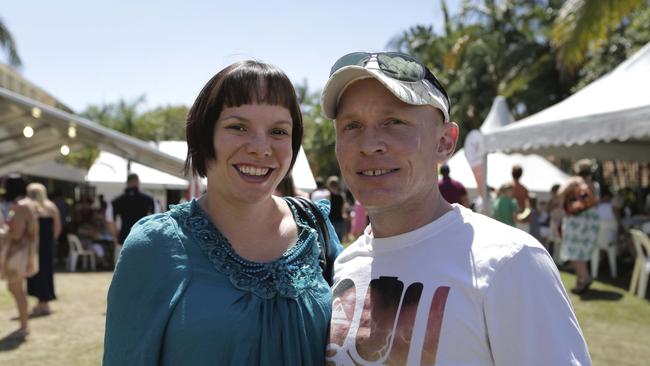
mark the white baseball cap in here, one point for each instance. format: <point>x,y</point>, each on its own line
<point>404,76</point>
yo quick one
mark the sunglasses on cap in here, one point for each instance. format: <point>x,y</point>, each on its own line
<point>396,65</point>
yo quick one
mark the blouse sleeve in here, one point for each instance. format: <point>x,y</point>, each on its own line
<point>150,277</point>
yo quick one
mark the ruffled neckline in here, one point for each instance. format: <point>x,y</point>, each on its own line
<point>290,275</point>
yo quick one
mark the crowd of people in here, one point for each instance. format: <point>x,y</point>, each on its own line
<point>34,237</point>
<point>249,274</point>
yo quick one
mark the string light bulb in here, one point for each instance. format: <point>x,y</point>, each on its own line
<point>36,112</point>
<point>72,131</point>
<point>28,131</point>
<point>65,150</point>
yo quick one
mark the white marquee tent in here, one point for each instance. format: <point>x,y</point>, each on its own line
<point>608,119</point>
<point>539,174</point>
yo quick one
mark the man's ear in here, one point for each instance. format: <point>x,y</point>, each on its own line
<point>448,140</point>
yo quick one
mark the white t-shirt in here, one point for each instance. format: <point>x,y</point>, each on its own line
<point>462,290</point>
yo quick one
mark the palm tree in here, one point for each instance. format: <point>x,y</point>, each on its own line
<point>7,43</point>
<point>583,25</point>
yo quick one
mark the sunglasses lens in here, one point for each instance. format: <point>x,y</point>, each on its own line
<point>400,67</point>
<point>355,58</point>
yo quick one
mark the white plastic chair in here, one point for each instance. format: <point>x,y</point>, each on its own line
<point>607,237</point>
<point>641,271</point>
<point>76,251</point>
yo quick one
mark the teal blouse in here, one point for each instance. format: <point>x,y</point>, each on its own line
<point>180,295</point>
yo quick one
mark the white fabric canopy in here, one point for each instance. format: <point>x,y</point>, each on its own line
<point>51,130</point>
<point>539,174</point>
<point>608,119</point>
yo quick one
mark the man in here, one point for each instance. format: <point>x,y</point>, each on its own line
<point>430,283</point>
<point>452,190</point>
<point>519,191</point>
<point>129,207</point>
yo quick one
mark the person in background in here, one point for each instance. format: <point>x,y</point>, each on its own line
<point>321,192</point>
<point>585,169</point>
<point>92,233</point>
<point>605,208</point>
<point>19,249</point>
<point>129,207</point>
<point>504,207</point>
<point>234,277</point>
<point>555,212</point>
<point>102,203</point>
<point>41,285</point>
<point>519,191</point>
<point>579,229</point>
<point>430,283</point>
<point>61,251</point>
<point>338,213</point>
<point>359,220</point>
<point>452,190</point>
<point>534,224</point>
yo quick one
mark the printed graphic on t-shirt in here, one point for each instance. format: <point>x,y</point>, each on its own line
<point>385,325</point>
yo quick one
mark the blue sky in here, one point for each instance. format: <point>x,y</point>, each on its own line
<point>91,52</point>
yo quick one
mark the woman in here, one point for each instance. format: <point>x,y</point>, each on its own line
<point>41,285</point>
<point>579,229</point>
<point>19,248</point>
<point>232,278</point>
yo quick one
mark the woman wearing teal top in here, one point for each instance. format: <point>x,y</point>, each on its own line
<point>232,278</point>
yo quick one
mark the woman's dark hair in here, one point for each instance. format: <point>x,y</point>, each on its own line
<point>15,186</point>
<point>244,82</point>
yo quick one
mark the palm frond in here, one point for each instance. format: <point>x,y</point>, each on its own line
<point>584,24</point>
<point>9,45</point>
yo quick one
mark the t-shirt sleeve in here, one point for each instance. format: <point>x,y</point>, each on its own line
<point>529,316</point>
<point>150,276</point>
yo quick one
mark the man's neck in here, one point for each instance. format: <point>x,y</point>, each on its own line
<point>408,216</point>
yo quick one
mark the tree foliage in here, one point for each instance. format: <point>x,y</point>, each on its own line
<point>158,124</point>
<point>583,26</point>
<point>505,48</point>
<point>8,44</point>
<point>319,135</point>
<point>621,43</point>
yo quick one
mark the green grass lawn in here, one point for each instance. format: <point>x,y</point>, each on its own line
<point>616,325</point>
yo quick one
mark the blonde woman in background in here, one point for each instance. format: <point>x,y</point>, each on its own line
<point>41,285</point>
<point>18,247</point>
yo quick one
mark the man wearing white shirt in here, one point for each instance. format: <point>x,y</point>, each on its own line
<point>430,283</point>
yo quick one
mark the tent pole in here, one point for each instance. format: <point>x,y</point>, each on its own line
<point>487,206</point>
